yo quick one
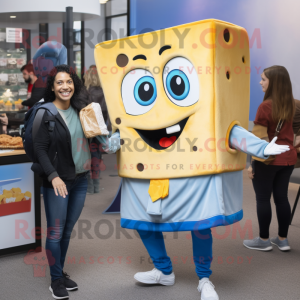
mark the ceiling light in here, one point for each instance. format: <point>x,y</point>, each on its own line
<point>13,17</point>
<point>103,1</point>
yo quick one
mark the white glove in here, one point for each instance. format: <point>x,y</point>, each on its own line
<point>274,149</point>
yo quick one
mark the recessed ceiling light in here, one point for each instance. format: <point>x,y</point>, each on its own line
<point>13,17</point>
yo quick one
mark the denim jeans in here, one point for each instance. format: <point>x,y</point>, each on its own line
<point>202,251</point>
<point>62,214</point>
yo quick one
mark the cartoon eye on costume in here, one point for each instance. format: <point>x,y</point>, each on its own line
<point>138,92</point>
<point>181,82</point>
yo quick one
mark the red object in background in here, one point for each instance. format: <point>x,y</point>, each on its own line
<point>15,208</point>
<point>29,89</point>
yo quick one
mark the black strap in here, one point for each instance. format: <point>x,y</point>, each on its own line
<point>37,122</point>
<point>278,127</point>
<point>49,118</point>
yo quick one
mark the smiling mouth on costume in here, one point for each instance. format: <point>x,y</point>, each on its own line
<point>162,139</point>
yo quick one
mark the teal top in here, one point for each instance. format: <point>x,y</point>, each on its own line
<point>80,150</point>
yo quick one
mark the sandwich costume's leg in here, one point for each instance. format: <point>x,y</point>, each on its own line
<point>163,271</point>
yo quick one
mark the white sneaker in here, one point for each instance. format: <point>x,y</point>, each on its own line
<point>154,277</point>
<point>207,290</point>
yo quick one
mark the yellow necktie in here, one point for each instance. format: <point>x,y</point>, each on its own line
<point>158,189</point>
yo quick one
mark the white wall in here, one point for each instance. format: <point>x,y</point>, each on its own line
<point>34,28</point>
<point>80,6</point>
<point>95,27</point>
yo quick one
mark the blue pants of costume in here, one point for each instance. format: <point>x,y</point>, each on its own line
<point>202,251</point>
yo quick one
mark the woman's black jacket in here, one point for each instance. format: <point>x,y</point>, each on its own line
<point>53,151</point>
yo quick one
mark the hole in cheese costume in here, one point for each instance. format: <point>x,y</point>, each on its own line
<point>169,100</point>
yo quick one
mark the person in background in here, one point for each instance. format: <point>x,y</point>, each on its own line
<point>37,93</point>
<point>46,57</point>
<point>296,128</point>
<point>95,94</point>
<point>278,104</point>
<point>3,123</point>
<point>29,77</point>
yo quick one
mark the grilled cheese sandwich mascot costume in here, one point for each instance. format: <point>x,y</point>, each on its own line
<point>181,106</point>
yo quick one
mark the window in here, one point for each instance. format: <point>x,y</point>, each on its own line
<point>117,19</point>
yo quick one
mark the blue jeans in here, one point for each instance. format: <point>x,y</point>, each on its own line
<point>202,251</point>
<point>62,214</point>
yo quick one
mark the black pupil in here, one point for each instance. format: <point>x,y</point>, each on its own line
<point>177,85</point>
<point>146,91</point>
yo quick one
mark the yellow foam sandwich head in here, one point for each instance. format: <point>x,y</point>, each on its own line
<point>174,95</point>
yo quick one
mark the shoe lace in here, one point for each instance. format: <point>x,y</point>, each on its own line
<point>66,274</point>
<point>156,274</point>
<point>208,285</point>
<point>60,283</point>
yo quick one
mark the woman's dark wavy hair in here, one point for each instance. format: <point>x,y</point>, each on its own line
<point>80,97</point>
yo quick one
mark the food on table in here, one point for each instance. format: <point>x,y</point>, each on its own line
<point>7,141</point>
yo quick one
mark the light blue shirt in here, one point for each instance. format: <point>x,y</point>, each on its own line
<point>81,155</point>
<point>193,203</point>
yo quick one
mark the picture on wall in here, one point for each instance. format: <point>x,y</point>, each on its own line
<point>17,206</point>
<point>12,63</point>
<point>3,79</point>
<point>20,62</point>
<point>21,80</point>
<point>12,79</point>
<point>3,63</point>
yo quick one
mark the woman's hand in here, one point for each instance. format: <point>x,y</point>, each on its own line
<point>59,187</point>
<point>3,119</point>
<point>250,172</point>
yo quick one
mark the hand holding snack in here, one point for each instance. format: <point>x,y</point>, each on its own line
<point>59,187</point>
<point>92,121</point>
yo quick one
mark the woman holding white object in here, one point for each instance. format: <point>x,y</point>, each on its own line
<point>64,157</point>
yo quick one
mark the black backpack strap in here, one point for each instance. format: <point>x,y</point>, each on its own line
<point>50,120</point>
<point>51,111</point>
<point>37,122</point>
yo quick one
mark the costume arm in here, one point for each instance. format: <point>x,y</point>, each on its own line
<point>243,140</point>
<point>110,145</point>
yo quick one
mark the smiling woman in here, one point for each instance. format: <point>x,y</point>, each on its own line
<point>63,88</point>
<point>63,78</point>
<point>65,169</point>
<point>63,155</point>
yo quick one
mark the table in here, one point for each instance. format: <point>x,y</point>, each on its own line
<point>13,111</point>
